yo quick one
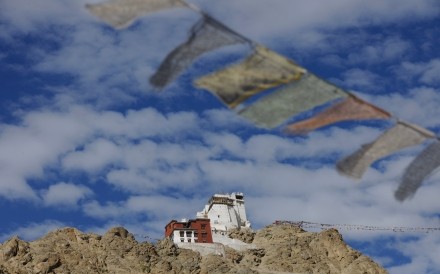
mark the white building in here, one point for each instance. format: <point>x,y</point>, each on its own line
<point>226,211</point>
<point>208,233</point>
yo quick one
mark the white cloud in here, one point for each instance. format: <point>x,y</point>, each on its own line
<point>147,122</point>
<point>99,153</point>
<point>152,165</point>
<point>426,73</point>
<point>359,78</point>
<point>33,231</point>
<point>423,252</point>
<point>224,118</point>
<point>283,15</point>
<point>297,18</point>
<point>419,105</point>
<point>44,136</point>
<point>28,15</point>
<point>144,166</point>
<point>146,180</point>
<point>35,143</point>
<point>112,69</point>
<point>14,186</point>
<point>267,147</point>
<point>155,207</point>
<point>391,49</point>
<point>65,196</point>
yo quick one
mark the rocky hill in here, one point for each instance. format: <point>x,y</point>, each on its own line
<point>278,249</point>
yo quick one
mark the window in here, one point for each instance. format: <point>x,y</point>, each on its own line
<point>196,234</point>
<point>188,233</point>
<point>203,226</point>
<point>181,240</point>
<point>189,240</point>
<point>204,235</point>
<point>182,233</point>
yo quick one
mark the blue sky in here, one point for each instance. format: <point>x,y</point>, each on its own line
<point>85,141</point>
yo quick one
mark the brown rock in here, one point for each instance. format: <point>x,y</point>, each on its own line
<point>279,249</point>
<point>245,235</point>
<point>291,249</point>
<point>10,249</point>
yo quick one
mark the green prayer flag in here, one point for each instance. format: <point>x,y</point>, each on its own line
<point>290,100</point>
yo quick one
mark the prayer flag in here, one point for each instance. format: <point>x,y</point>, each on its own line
<point>291,99</point>
<point>352,108</point>
<point>206,35</point>
<point>422,166</point>
<point>262,70</point>
<point>121,13</point>
<point>401,136</point>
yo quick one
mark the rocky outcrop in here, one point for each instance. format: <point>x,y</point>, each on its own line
<point>289,248</point>
<point>279,249</point>
<point>245,235</point>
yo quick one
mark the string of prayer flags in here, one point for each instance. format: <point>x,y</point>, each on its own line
<point>400,136</point>
<point>421,167</point>
<point>262,70</point>
<point>352,108</point>
<point>206,35</point>
<point>291,99</point>
<point>296,91</point>
<point>122,13</point>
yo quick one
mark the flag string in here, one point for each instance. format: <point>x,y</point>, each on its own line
<point>346,227</point>
<point>322,226</point>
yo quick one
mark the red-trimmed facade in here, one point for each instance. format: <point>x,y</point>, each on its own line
<point>197,231</point>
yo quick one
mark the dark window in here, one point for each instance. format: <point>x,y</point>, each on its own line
<point>203,226</point>
<point>182,233</point>
<point>204,235</point>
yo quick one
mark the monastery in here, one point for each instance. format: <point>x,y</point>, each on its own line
<point>208,232</point>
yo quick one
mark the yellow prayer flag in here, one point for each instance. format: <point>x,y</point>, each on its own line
<point>262,70</point>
